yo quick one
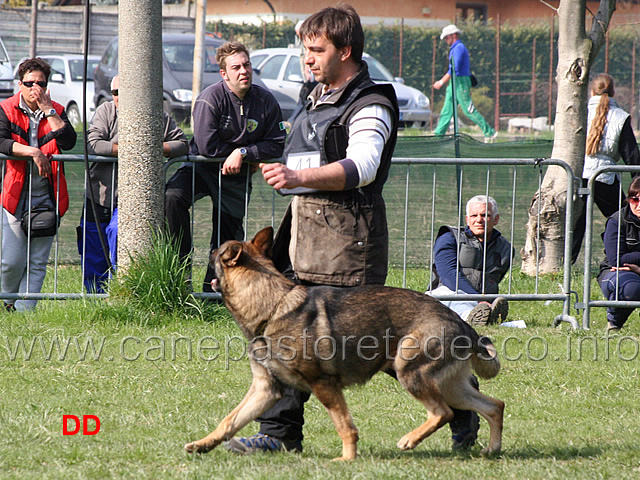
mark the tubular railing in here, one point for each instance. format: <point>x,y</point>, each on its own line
<point>413,183</point>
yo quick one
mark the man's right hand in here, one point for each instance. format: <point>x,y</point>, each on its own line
<point>42,161</point>
<point>279,176</point>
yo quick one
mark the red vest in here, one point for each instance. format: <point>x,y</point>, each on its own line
<point>17,169</point>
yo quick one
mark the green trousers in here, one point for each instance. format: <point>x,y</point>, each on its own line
<point>463,97</point>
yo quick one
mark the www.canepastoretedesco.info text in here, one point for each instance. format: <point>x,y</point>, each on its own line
<point>87,348</point>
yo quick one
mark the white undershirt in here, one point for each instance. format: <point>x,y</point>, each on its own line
<point>369,131</point>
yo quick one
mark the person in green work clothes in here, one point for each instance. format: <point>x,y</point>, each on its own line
<point>459,56</point>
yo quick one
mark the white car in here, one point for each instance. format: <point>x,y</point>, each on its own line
<point>65,83</point>
<point>6,85</point>
<point>280,69</point>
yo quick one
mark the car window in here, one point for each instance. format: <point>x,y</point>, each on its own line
<point>180,57</point>
<point>271,68</point>
<point>377,71</point>
<point>57,66</point>
<point>76,67</point>
<point>256,60</point>
<point>4,57</point>
<point>110,56</point>
<point>210,62</point>
<point>91,69</point>
<point>293,70</point>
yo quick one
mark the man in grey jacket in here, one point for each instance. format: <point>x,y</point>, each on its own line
<point>102,139</point>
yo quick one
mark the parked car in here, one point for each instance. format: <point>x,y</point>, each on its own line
<point>6,73</point>
<point>65,82</point>
<point>281,71</point>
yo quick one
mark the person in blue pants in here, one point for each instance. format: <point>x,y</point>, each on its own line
<point>102,139</point>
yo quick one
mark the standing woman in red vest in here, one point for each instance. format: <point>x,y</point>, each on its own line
<point>34,127</point>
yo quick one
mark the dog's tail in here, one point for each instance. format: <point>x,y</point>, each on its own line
<point>485,358</point>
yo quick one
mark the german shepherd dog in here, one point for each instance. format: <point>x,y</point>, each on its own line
<point>322,339</point>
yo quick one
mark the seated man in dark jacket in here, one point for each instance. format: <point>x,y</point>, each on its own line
<point>476,265</point>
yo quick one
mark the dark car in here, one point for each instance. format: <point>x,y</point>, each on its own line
<point>177,72</point>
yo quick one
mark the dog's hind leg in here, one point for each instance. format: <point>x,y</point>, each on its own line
<point>333,400</point>
<point>420,384</point>
<point>439,415</point>
<point>490,408</point>
<point>262,395</point>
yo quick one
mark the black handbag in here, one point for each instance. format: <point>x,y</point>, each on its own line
<point>474,80</point>
<point>43,221</point>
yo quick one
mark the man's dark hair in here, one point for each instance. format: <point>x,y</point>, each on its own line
<point>226,50</point>
<point>34,65</point>
<point>340,25</point>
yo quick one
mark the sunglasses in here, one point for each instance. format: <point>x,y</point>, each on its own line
<point>30,84</point>
<point>114,93</point>
<point>634,199</point>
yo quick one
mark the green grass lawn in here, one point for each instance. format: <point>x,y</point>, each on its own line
<point>158,380</point>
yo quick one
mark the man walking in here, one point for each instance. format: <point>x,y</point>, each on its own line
<point>459,56</point>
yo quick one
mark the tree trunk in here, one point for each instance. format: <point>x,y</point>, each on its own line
<point>544,247</point>
<point>140,126</point>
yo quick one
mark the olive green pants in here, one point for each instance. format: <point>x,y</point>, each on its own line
<point>463,98</point>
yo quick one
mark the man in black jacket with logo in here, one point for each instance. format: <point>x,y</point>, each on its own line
<point>232,119</point>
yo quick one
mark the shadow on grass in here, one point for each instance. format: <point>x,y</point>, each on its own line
<point>525,453</point>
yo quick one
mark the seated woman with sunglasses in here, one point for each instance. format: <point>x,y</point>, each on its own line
<point>619,276</point>
<point>35,127</point>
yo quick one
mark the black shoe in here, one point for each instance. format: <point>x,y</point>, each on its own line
<point>464,438</point>
<point>9,307</point>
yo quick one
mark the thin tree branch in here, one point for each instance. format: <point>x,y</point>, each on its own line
<point>550,6</point>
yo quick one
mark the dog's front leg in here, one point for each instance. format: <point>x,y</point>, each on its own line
<point>262,395</point>
<point>332,398</point>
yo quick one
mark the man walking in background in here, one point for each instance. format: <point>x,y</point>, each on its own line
<point>459,56</point>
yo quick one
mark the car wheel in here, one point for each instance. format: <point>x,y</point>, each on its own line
<point>73,112</point>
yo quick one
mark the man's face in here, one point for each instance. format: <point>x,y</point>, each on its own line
<point>478,221</point>
<point>30,94</point>
<point>115,85</point>
<point>324,59</point>
<point>238,73</point>
<point>449,39</point>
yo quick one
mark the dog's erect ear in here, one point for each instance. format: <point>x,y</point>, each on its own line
<point>263,241</point>
<point>231,254</point>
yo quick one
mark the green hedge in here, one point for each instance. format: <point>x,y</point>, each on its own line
<point>516,57</point>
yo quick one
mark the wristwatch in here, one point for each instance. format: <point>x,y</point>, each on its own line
<point>243,152</point>
<point>50,113</point>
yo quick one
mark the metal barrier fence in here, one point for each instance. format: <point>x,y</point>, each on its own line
<point>587,302</point>
<point>421,195</point>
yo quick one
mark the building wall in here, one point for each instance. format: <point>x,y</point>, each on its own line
<point>412,12</point>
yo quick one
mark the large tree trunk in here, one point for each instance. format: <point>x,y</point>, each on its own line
<point>544,249</point>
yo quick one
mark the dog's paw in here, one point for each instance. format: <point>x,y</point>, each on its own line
<point>490,452</point>
<point>407,442</point>
<point>191,447</point>
<point>343,459</point>
<point>196,447</point>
